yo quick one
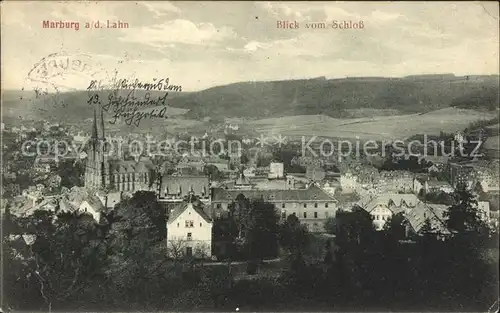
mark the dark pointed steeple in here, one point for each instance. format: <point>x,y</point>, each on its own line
<point>96,162</point>
<point>98,125</point>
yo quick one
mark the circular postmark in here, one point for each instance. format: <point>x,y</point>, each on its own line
<point>61,72</point>
<point>62,64</point>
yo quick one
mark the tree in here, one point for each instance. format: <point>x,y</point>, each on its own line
<point>139,252</point>
<point>54,182</point>
<point>427,229</point>
<point>463,216</point>
<point>462,260</point>
<point>438,197</point>
<point>71,173</point>
<point>330,225</point>
<point>257,223</point>
<point>293,236</point>
<point>394,227</point>
<point>354,228</point>
<point>67,256</point>
<point>176,249</point>
<point>224,234</point>
<point>244,159</point>
<point>212,172</point>
<point>140,216</point>
<point>263,161</point>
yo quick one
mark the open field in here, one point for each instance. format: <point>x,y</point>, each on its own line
<point>379,127</point>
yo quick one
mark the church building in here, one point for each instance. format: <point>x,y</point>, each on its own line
<point>103,171</point>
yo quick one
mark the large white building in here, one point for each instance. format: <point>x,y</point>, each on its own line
<point>276,170</point>
<point>312,206</point>
<point>189,230</point>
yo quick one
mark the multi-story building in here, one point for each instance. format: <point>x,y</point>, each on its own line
<point>462,173</point>
<point>276,171</point>
<point>383,207</point>
<point>312,205</point>
<point>189,229</point>
<point>176,188</point>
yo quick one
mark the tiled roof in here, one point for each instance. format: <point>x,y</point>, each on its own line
<point>94,202</point>
<point>129,166</point>
<point>438,183</point>
<point>422,178</point>
<point>417,216</point>
<point>197,184</point>
<point>394,201</point>
<point>196,205</point>
<point>310,194</point>
<point>184,164</point>
<point>65,206</point>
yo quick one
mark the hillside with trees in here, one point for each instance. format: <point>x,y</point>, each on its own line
<point>331,97</point>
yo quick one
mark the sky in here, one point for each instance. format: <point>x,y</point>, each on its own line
<point>198,45</point>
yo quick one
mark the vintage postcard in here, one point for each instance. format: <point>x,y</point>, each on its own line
<point>249,156</point>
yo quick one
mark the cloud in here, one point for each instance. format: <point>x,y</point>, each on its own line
<point>255,45</point>
<point>161,8</point>
<point>398,39</point>
<point>87,11</point>
<point>336,13</point>
<point>14,17</point>
<point>384,16</point>
<point>295,11</point>
<point>299,46</point>
<point>179,31</point>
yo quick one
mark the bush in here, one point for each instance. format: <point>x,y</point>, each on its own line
<point>252,267</point>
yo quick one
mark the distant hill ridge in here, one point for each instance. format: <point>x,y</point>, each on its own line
<point>331,97</point>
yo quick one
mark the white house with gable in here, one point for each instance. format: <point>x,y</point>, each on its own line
<point>189,230</point>
<point>92,206</point>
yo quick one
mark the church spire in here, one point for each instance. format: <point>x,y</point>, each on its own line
<point>98,124</point>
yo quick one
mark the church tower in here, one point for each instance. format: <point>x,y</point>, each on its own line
<point>96,171</point>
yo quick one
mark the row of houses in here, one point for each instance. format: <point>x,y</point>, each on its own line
<point>194,205</point>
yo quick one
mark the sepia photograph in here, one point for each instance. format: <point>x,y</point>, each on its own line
<point>225,156</point>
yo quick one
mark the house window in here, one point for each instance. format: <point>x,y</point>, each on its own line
<point>218,205</point>
<point>315,214</point>
<point>305,205</point>
<point>177,224</point>
<point>200,224</point>
<point>326,214</point>
<point>378,217</point>
<point>305,214</point>
<point>282,205</point>
<point>315,205</point>
<point>326,205</point>
<point>189,236</point>
<point>189,224</point>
